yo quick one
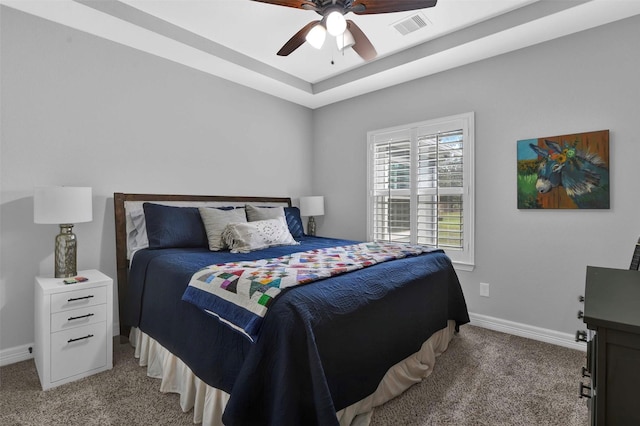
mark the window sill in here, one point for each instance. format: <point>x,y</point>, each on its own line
<point>459,266</point>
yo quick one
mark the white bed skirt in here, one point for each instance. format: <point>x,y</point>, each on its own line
<point>208,402</point>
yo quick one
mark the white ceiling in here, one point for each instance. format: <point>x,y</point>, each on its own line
<point>238,39</point>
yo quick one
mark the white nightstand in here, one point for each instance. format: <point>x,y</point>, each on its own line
<point>73,328</point>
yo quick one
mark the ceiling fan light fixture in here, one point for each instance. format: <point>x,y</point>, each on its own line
<point>336,24</point>
<point>315,37</point>
<point>345,40</point>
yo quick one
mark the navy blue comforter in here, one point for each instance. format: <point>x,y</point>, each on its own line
<point>322,346</point>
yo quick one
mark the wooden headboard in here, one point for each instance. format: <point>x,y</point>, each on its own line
<point>120,200</point>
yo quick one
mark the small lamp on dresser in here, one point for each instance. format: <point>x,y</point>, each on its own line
<point>63,205</point>
<point>311,207</point>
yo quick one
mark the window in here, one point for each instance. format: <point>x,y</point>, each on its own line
<point>420,186</point>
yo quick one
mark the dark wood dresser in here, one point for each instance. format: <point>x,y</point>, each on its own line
<point>612,315</point>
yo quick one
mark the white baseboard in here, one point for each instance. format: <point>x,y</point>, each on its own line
<point>15,354</point>
<point>531,332</point>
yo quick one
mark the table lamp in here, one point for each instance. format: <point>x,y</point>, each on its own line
<point>312,206</point>
<point>63,205</point>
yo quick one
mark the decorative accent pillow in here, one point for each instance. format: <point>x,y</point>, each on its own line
<point>263,213</point>
<point>216,219</point>
<point>136,231</point>
<point>291,215</point>
<point>249,236</point>
<point>294,221</point>
<point>169,226</point>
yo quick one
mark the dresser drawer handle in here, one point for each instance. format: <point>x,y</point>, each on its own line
<point>80,317</point>
<point>80,298</point>
<point>584,391</point>
<point>581,336</point>
<point>80,338</point>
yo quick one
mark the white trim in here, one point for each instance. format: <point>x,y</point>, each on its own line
<point>462,266</point>
<point>529,331</point>
<point>15,354</point>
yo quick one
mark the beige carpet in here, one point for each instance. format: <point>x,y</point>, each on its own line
<point>491,378</point>
<point>484,378</point>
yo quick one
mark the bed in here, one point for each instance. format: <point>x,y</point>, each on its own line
<point>325,352</point>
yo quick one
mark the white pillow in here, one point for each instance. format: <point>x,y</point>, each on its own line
<point>249,236</point>
<point>263,213</point>
<point>136,231</point>
<point>215,220</point>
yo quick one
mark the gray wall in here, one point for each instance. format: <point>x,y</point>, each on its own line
<point>79,110</point>
<point>534,260</point>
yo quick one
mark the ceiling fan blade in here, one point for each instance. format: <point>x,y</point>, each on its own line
<point>386,6</point>
<point>363,46</point>
<point>298,4</point>
<point>297,40</point>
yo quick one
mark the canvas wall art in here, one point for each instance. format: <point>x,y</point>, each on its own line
<point>564,172</point>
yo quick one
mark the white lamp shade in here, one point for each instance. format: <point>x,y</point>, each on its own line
<point>315,37</point>
<point>62,204</point>
<point>312,206</point>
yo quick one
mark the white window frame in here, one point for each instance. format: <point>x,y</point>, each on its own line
<point>462,259</point>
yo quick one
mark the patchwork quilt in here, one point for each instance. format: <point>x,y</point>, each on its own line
<point>240,293</point>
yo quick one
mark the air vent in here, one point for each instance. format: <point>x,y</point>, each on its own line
<point>411,24</point>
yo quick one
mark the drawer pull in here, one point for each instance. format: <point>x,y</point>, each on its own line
<point>80,338</point>
<point>581,336</point>
<point>74,299</point>
<point>80,317</point>
<point>582,392</point>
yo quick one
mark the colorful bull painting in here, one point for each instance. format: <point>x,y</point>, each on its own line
<point>564,172</point>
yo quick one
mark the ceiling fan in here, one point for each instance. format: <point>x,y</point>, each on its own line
<point>347,33</point>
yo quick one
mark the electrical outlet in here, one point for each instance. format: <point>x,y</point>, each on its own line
<point>484,289</point>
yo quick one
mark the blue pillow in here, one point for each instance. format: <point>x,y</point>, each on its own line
<point>169,226</point>
<point>292,214</point>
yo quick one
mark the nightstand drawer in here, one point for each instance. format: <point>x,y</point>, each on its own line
<point>78,317</point>
<point>78,299</point>
<point>78,350</point>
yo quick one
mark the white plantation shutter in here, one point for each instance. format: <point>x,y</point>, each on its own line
<point>439,190</point>
<point>391,188</point>
<point>420,180</point>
